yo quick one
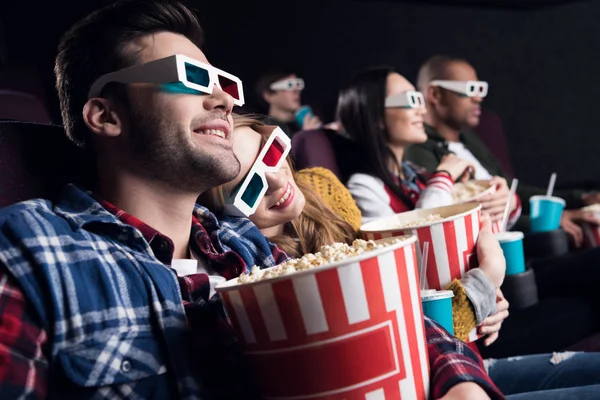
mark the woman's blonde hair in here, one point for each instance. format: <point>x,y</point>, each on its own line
<point>316,226</point>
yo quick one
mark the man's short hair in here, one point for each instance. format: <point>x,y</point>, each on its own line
<point>264,82</point>
<point>96,45</point>
<point>435,68</point>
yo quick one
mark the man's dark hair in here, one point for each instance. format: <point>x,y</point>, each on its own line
<point>435,68</point>
<point>96,45</point>
<point>265,80</point>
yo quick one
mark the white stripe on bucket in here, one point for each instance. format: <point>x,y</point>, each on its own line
<point>475,223</point>
<point>416,306</point>
<point>311,305</point>
<point>378,394</point>
<point>270,312</point>
<point>242,316</point>
<point>438,240</point>
<point>389,281</point>
<point>354,293</point>
<point>461,242</point>
<point>407,385</point>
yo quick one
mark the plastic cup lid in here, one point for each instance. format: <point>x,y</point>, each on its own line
<point>433,294</point>
<point>548,198</point>
<point>509,236</point>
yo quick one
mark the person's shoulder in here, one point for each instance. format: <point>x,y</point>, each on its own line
<point>35,208</point>
<point>362,179</point>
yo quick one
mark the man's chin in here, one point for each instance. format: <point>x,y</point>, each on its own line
<point>472,122</point>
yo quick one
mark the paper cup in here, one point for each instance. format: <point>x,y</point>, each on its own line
<point>315,334</point>
<point>545,213</point>
<point>451,240</point>
<point>437,305</point>
<point>512,247</point>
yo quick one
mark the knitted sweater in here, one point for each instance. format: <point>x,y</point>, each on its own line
<point>339,199</point>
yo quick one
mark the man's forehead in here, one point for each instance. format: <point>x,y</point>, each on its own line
<point>164,44</point>
<point>460,71</point>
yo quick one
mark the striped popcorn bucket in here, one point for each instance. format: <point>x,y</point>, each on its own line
<point>451,240</point>
<point>348,330</point>
<point>591,233</point>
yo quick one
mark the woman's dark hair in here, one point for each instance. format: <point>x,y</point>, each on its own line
<point>361,110</point>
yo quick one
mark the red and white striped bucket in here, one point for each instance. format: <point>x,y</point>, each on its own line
<point>349,330</point>
<point>592,234</point>
<point>451,240</point>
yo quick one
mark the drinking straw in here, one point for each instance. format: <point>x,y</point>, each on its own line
<point>513,190</point>
<point>424,265</point>
<point>551,184</point>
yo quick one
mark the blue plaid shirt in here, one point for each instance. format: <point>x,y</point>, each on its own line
<point>93,312</point>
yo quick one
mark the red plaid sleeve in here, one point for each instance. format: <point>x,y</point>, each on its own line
<point>23,366</point>
<point>452,362</point>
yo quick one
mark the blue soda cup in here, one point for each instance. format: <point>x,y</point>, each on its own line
<point>437,305</point>
<point>545,213</point>
<point>301,113</point>
<point>512,247</point>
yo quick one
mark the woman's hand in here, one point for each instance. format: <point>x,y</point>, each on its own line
<point>495,202</point>
<point>455,166</point>
<point>490,255</point>
<point>492,324</point>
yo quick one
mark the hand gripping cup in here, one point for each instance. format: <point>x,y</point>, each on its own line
<point>452,233</point>
<point>316,333</point>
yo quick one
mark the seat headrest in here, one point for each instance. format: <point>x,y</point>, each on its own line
<point>37,160</point>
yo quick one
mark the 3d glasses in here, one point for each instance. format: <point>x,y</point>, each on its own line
<point>408,99</point>
<point>194,75</point>
<point>288,84</point>
<point>244,200</point>
<point>465,88</point>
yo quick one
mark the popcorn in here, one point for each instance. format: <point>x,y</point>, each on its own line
<point>468,190</point>
<point>592,208</point>
<point>327,255</point>
<point>422,221</point>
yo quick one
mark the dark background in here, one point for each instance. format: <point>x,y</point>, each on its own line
<point>540,57</point>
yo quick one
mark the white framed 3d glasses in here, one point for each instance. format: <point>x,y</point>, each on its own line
<point>466,88</point>
<point>288,84</point>
<point>244,200</point>
<point>193,74</point>
<point>408,99</point>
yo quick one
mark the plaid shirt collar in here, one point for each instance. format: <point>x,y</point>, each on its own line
<point>81,209</point>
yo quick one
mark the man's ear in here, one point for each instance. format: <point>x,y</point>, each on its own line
<point>101,117</point>
<point>267,96</point>
<point>434,94</point>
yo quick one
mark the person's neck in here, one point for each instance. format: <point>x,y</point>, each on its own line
<point>449,133</point>
<point>161,207</point>
<point>396,167</point>
<point>281,115</point>
<point>273,230</point>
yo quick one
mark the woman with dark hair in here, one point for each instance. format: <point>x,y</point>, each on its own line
<point>383,114</point>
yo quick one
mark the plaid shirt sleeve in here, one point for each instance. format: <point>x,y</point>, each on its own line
<point>23,365</point>
<point>452,362</point>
